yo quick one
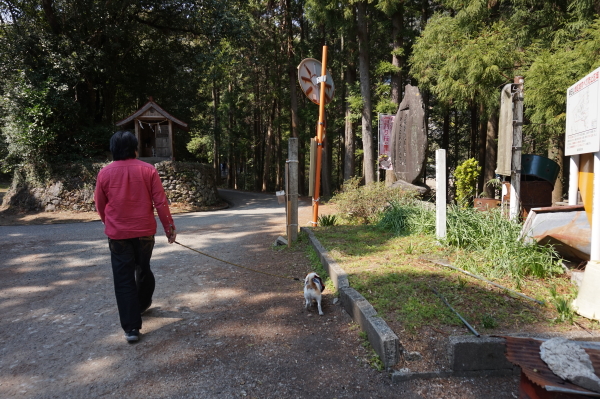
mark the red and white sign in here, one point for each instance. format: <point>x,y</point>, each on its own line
<point>386,121</point>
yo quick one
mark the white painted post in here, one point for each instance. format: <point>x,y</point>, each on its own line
<point>595,239</point>
<point>573,179</point>
<point>440,193</point>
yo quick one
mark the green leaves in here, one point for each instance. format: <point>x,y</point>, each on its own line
<point>466,175</point>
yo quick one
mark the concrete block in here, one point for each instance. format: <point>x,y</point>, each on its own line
<point>357,306</point>
<point>381,337</point>
<point>383,340</point>
<point>407,375</point>
<point>470,353</point>
<point>337,275</point>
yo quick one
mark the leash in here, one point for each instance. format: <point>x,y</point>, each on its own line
<point>236,265</point>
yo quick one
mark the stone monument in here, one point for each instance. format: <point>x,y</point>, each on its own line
<point>409,137</point>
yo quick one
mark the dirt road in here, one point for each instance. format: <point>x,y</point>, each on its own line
<point>214,331</point>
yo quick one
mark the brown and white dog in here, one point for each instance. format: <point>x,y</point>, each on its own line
<point>313,286</point>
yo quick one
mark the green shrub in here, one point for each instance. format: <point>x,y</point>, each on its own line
<point>364,204</point>
<point>466,175</point>
<point>563,306</point>
<point>409,217</point>
<point>494,247</point>
<point>327,220</point>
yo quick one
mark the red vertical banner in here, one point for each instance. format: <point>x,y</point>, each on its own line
<point>386,121</point>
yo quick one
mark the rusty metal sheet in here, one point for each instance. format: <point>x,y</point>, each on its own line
<point>565,227</point>
<point>525,353</point>
<point>409,137</point>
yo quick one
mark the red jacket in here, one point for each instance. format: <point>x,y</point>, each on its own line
<point>126,192</point>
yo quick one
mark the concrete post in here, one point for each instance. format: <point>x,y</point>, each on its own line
<point>293,188</point>
<point>440,193</point>
<point>573,179</point>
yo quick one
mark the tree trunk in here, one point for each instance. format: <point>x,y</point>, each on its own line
<point>474,131</point>
<point>279,147</point>
<point>292,72</point>
<point>257,139</point>
<point>349,126</point>
<point>397,60</point>
<point>365,90</point>
<point>482,149</point>
<point>268,149</point>
<point>230,154</point>
<point>216,133</point>
<point>446,129</point>
<point>556,152</point>
<point>492,153</point>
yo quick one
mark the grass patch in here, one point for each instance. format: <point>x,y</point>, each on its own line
<point>485,243</point>
<point>389,271</point>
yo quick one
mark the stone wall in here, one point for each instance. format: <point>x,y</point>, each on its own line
<point>71,188</point>
<point>188,183</point>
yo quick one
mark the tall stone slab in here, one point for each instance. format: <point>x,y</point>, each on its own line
<point>409,137</point>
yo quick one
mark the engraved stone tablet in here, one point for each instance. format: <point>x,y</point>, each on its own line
<point>409,137</point>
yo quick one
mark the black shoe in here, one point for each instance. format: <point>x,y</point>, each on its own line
<point>133,335</point>
<point>147,307</point>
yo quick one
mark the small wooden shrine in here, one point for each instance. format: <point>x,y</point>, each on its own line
<point>153,127</point>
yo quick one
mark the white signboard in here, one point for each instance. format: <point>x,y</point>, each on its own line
<point>583,109</point>
<point>385,133</point>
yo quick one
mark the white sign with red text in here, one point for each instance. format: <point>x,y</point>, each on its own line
<point>583,108</point>
<point>385,133</point>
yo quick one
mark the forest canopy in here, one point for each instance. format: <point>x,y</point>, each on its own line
<point>71,69</point>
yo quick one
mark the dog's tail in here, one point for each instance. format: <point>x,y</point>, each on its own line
<point>319,283</point>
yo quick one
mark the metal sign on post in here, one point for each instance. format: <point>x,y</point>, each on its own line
<point>319,88</point>
<point>310,77</point>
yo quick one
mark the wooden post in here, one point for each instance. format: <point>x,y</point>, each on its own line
<point>440,193</point>
<point>515,175</point>
<point>293,189</point>
<point>320,129</point>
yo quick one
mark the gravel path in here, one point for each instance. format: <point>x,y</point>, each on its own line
<point>214,330</point>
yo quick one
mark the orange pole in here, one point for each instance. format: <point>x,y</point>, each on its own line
<point>320,129</point>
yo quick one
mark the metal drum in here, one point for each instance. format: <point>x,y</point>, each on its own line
<point>540,167</point>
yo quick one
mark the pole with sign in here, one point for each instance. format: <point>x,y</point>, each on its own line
<point>319,89</point>
<point>582,144</point>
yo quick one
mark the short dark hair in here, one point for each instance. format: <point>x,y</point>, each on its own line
<point>123,145</point>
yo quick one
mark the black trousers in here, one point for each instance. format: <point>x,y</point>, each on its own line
<point>133,279</point>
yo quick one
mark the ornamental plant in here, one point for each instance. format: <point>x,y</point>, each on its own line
<point>466,175</point>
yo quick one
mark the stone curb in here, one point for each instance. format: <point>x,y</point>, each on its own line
<point>469,356</point>
<point>381,337</point>
<point>337,275</point>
